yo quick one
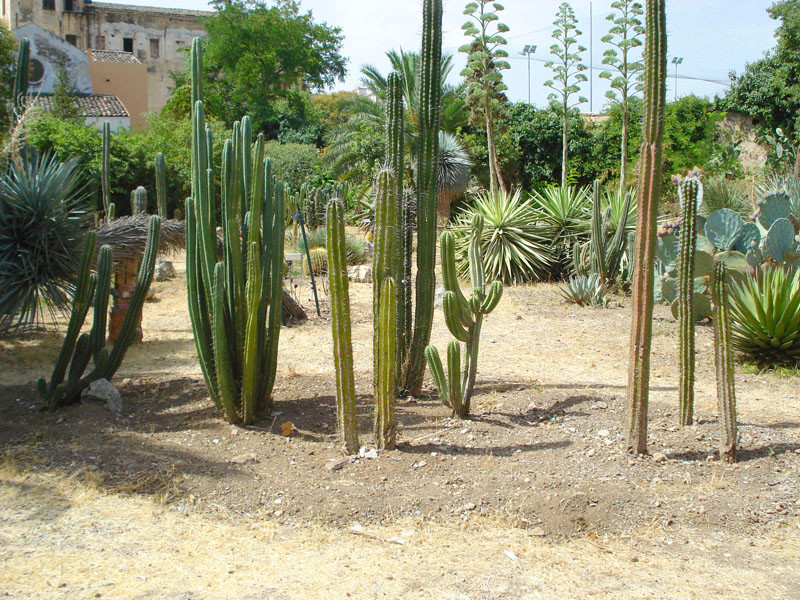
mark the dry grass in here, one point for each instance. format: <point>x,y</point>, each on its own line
<point>63,538</point>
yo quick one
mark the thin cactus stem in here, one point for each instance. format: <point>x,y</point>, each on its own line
<point>385,424</point>
<point>649,190</point>
<point>427,173</point>
<point>723,360</point>
<point>688,190</point>
<point>106,171</point>
<point>21,77</point>
<point>385,250</point>
<point>340,316</point>
<point>161,185</point>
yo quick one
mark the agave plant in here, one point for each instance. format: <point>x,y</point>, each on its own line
<point>564,211</point>
<point>765,314</point>
<point>614,199</point>
<point>454,173</point>
<point>43,212</point>
<point>585,290</point>
<point>720,192</point>
<point>514,244</point>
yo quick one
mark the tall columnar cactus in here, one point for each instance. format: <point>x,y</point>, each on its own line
<point>723,360</point>
<point>394,151</point>
<point>161,185</point>
<point>93,290</point>
<point>21,77</point>
<point>464,319</point>
<point>340,316</point>
<point>386,381</point>
<point>689,190</point>
<point>649,190</point>
<point>105,174</point>
<point>234,300</point>
<point>139,203</point>
<point>385,250</point>
<point>430,96</point>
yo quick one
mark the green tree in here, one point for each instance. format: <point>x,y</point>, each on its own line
<point>769,89</point>
<point>256,55</point>
<point>65,102</point>
<point>567,74</point>
<point>8,59</point>
<point>485,63</point>
<point>624,36</point>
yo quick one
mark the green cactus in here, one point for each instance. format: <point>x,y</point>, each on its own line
<point>773,207</point>
<point>723,228</point>
<point>723,360</point>
<point>139,201</point>
<point>464,318</point>
<point>779,239</point>
<point>689,190</point>
<point>234,302</point>
<point>318,259</point>
<point>649,190</point>
<point>430,92</point>
<point>340,317</point>
<point>161,185</point>
<point>386,383</point>
<point>76,350</point>
<point>385,249</point>
<point>106,171</point>
<point>21,77</point>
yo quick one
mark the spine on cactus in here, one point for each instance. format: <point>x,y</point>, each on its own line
<point>21,77</point>
<point>723,360</point>
<point>688,191</point>
<point>161,185</point>
<point>139,204</point>
<point>430,91</point>
<point>598,239</point>
<point>106,171</point>
<point>340,317</point>
<point>385,425</point>
<point>385,249</point>
<point>395,154</point>
<point>649,190</point>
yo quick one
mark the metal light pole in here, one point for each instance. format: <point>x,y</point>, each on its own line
<point>676,60</point>
<point>527,51</point>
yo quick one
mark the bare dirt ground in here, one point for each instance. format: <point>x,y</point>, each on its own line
<point>534,497</point>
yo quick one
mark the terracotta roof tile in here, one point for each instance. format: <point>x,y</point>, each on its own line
<point>90,105</point>
<point>178,12</point>
<point>114,56</point>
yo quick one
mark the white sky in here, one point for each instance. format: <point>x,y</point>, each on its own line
<point>713,36</point>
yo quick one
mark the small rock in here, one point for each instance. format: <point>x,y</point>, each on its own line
<point>338,464</point>
<point>360,273</point>
<point>438,298</point>
<point>151,293</point>
<point>591,452</point>
<point>103,391</point>
<point>469,506</point>
<point>244,459</point>
<point>538,532</point>
<point>604,433</point>
<point>371,454</point>
<point>659,457</point>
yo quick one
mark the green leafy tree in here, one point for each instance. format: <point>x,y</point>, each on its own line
<point>256,55</point>
<point>8,59</point>
<point>624,36</point>
<point>769,89</point>
<point>483,73</point>
<point>65,102</point>
<point>567,74</point>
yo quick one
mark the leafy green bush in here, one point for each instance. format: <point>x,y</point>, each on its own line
<point>295,164</point>
<point>765,313</point>
<point>515,245</point>
<point>43,208</point>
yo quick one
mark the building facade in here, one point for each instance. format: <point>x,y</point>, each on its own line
<point>157,37</point>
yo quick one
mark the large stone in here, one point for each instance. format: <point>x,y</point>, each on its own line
<point>164,270</point>
<point>360,273</point>
<point>438,298</point>
<point>103,391</point>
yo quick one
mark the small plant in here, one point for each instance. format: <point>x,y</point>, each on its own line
<point>765,315</point>
<point>723,360</point>
<point>92,290</point>
<point>514,244</point>
<point>464,319</point>
<point>721,192</point>
<point>585,290</point>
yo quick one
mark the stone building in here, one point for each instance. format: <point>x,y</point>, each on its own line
<point>156,37</point>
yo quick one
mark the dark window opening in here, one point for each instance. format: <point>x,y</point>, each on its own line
<point>100,42</point>
<point>127,45</point>
<point>154,48</point>
<point>35,71</point>
<point>68,6</point>
<point>49,4</point>
<point>72,39</point>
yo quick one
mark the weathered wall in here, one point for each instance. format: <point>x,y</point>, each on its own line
<point>51,52</point>
<point>126,81</point>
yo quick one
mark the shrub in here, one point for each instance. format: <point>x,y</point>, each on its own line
<point>765,311</point>
<point>514,244</point>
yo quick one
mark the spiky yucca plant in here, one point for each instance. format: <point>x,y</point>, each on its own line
<point>513,243</point>
<point>585,290</point>
<point>765,314</point>
<point>43,211</point>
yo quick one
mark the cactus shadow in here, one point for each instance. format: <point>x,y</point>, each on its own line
<point>497,450</point>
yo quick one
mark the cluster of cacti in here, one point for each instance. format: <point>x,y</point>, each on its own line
<point>723,360</point>
<point>92,290</point>
<point>139,201</point>
<point>649,190</point>
<point>690,194</point>
<point>234,303</point>
<point>464,319</point>
<point>161,185</point>
<point>430,92</point>
<point>109,209</point>
<point>340,317</point>
<point>312,202</point>
<point>21,77</point>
